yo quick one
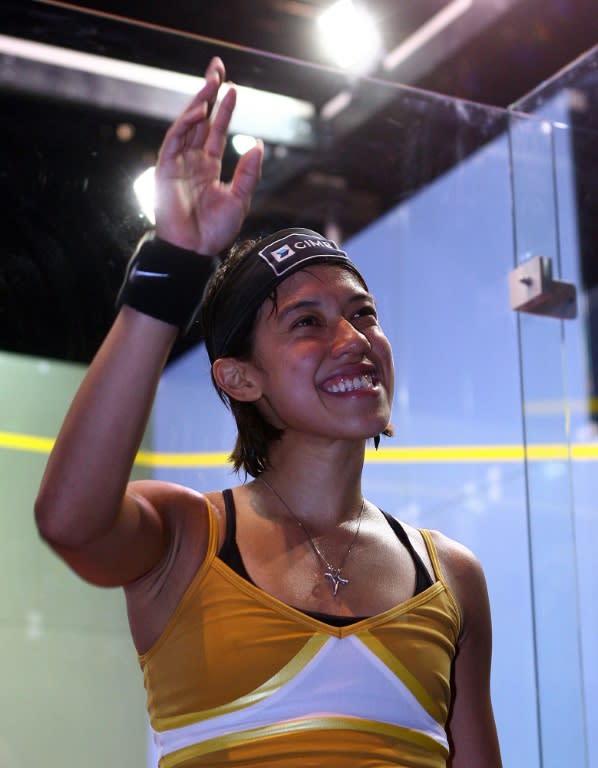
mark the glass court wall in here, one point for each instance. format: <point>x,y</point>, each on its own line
<point>458,195</point>
<point>567,103</point>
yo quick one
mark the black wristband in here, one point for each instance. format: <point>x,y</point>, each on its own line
<point>165,281</point>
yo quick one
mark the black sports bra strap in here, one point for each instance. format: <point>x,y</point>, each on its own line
<point>423,579</point>
<point>229,553</point>
<point>231,524</point>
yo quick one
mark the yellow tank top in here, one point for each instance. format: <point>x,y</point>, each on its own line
<point>240,679</point>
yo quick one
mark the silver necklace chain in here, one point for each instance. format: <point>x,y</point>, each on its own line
<point>332,573</point>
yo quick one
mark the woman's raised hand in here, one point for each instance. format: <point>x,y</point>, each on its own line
<point>195,209</point>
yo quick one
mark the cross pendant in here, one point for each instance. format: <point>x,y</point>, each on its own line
<point>336,580</point>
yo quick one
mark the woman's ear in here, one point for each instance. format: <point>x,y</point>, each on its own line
<point>237,378</point>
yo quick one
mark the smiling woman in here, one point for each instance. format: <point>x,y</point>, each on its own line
<point>320,361</point>
<point>287,621</point>
<point>247,285</point>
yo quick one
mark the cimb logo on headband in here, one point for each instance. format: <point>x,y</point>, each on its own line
<point>293,249</point>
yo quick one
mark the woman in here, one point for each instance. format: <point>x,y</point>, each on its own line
<point>288,622</point>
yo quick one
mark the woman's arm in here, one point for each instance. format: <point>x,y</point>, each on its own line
<point>107,534</point>
<point>471,726</point>
<point>82,510</point>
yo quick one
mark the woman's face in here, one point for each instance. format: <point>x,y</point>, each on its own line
<point>323,363</point>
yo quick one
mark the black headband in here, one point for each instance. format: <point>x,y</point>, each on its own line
<point>255,277</point>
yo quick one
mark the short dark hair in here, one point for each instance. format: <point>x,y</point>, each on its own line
<point>254,433</point>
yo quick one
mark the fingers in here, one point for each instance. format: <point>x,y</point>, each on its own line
<point>214,77</point>
<point>216,65</point>
<point>191,128</point>
<point>216,139</point>
<point>198,129</point>
<point>248,173</point>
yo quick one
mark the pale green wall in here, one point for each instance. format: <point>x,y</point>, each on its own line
<point>71,693</point>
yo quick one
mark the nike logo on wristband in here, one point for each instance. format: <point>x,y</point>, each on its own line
<point>144,273</point>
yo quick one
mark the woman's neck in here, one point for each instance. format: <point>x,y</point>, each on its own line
<point>320,483</point>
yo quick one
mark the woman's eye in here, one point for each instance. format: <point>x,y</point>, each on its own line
<point>305,322</point>
<point>366,312</point>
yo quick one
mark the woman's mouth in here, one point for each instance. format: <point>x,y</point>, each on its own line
<point>364,381</point>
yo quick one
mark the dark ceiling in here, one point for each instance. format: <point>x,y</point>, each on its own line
<point>68,231</point>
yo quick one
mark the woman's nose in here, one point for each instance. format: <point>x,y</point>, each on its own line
<point>348,339</point>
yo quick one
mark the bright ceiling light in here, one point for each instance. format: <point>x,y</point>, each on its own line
<point>145,191</point>
<point>349,36</point>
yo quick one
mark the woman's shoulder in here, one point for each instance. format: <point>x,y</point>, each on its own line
<point>464,574</point>
<point>457,560</point>
<point>183,508</point>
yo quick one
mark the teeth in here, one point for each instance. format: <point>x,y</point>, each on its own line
<point>350,385</point>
